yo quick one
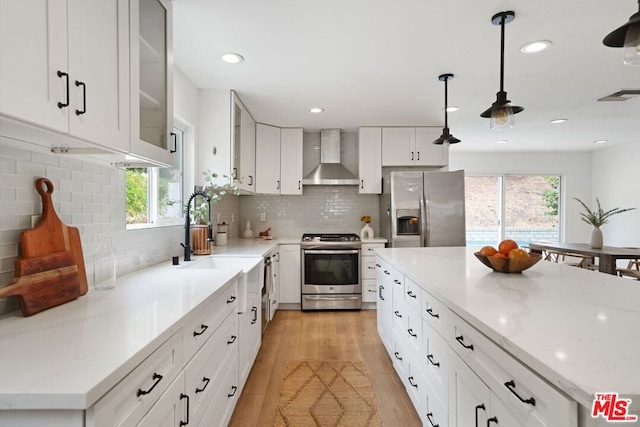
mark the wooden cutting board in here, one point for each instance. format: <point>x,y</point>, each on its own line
<point>51,236</point>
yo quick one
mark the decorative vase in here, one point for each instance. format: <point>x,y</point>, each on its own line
<point>366,232</point>
<point>248,234</point>
<point>596,238</point>
<point>199,236</point>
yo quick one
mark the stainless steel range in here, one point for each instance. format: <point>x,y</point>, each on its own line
<point>331,272</point>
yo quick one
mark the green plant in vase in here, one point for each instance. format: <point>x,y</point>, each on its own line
<point>597,218</point>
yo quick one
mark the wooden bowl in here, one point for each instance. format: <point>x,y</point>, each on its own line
<point>508,265</point>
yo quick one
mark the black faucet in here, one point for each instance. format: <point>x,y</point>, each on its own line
<point>187,223</point>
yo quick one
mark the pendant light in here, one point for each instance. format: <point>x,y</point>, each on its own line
<point>627,36</point>
<point>501,112</point>
<point>446,137</point>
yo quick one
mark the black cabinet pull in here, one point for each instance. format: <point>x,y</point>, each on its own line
<point>255,315</point>
<point>157,378</point>
<point>387,273</point>
<point>231,299</point>
<point>235,173</point>
<point>480,406</point>
<point>232,340</point>
<point>432,314</point>
<point>362,184</point>
<point>410,330</point>
<point>277,185</point>
<point>412,383</point>
<point>411,294</point>
<point>511,385</point>
<point>412,156</point>
<point>380,288</point>
<point>378,265</point>
<point>184,396</point>
<point>84,98</point>
<point>175,142</point>
<point>371,267</point>
<point>430,357</point>
<point>299,184</point>
<point>430,418</point>
<point>62,74</point>
<point>492,420</point>
<point>205,380</point>
<point>396,281</point>
<point>203,328</point>
<point>250,180</point>
<point>233,391</point>
<point>397,355</point>
<point>460,340</point>
<point>418,155</point>
<point>397,313</point>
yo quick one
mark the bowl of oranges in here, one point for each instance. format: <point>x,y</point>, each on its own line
<point>508,258</point>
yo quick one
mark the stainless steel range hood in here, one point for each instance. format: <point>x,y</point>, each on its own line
<point>330,171</point>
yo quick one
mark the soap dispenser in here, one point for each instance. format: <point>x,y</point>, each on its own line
<point>248,233</point>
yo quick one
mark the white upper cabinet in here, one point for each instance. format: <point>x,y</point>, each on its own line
<point>405,146</point>
<point>291,161</point>
<point>370,160</point>
<point>267,159</point>
<point>151,80</point>
<point>65,66</point>
<point>244,145</point>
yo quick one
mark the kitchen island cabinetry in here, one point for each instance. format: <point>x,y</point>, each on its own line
<point>407,146</point>
<point>370,160</point>
<point>65,67</point>
<point>368,271</point>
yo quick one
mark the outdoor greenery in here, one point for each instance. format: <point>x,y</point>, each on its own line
<point>550,196</point>
<point>200,214</point>
<point>136,194</point>
<point>600,216</point>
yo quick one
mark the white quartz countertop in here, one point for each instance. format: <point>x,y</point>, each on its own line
<point>247,247</point>
<point>576,328</point>
<point>67,357</point>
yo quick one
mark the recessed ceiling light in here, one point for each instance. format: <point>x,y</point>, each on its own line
<point>231,57</point>
<point>316,110</point>
<point>501,141</point>
<point>556,121</point>
<point>600,141</point>
<point>452,108</point>
<point>536,46</point>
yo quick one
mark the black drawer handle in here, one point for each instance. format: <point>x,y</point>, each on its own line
<point>397,313</point>
<point>371,267</point>
<point>430,418</point>
<point>380,288</point>
<point>411,294</point>
<point>232,340</point>
<point>175,142</point>
<point>511,385</point>
<point>410,330</point>
<point>235,173</point>
<point>387,273</point>
<point>232,299</point>
<point>460,340</point>
<point>157,378</point>
<point>206,383</point>
<point>492,420</point>
<point>480,406</point>
<point>62,74</point>
<point>430,357</point>
<point>412,383</point>
<point>184,396</point>
<point>84,98</point>
<point>432,314</point>
<point>378,265</point>
<point>371,290</point>
<point>397,355</point>
<point>362,184</point>
<point>233,391</point>
<point>255,315</point>
<point>203,328</point>
<point>397,282</point>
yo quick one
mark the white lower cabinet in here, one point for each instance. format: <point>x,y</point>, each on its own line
<point>290,274</point>
<point>368,271</point>
<point>384,303</point>
<point>172,408</point>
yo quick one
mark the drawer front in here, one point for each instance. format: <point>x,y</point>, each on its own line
<point>531,400</point>
<point>203,322</point>
<point>224,399</point>
<point>398,314</point>
<point>436,314</point>
<point>413,334</point>
<point>383,269</point>
<point>171,408</point>
<point>131,399</point>
<point>368,248</point>
<point>207,367</point>
<point>399,358</point>
<point>369,290</point>
<point>434,414</point>
<point>415,382</point>
<point>435,362</point>
<point>412,295</point>
<point>398,277</point>
<point>368,267</point>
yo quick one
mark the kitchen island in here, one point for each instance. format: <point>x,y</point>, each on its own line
<point>573,329</point>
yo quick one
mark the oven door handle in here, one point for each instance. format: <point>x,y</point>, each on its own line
<point>337,297</point>
<point>331,251</point>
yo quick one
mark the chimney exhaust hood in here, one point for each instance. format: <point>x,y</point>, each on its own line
<point>330,171</point>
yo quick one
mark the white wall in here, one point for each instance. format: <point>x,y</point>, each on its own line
<point>574,168</point>
<point>615,179</point>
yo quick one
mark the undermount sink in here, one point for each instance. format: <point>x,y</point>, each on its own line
<point>222,263</point>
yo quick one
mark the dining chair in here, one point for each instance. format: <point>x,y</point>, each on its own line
<point>632,270</point>
<point>569,258</point>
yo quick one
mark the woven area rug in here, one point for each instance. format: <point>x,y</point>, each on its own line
<point>327,393</point>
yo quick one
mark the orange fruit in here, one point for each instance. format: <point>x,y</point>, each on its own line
<point>506,246</point>
<point>488,251</point>
<point>518,253</point>
<point>500,255</point>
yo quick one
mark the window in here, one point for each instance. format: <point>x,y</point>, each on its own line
<point>519,207</point>
<point>154,195</point>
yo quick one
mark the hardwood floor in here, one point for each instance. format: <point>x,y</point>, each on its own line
<point>321,335</point>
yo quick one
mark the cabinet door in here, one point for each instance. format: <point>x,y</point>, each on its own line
<point>99,71</point>
<point>427,153</point>
<point>248,153</point>
<point>291,161</point>
<point>267,159</point>
<point>469,397</point>
<point>171,408</point>
<point>290,274</point>
<point>151,79</point>
<point>370,160</point>
<point>275,297</point>
<point>33,48</point>
<point>398,146</point>
<point>255,331</point>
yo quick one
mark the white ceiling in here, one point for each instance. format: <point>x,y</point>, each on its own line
<point>376,63</point>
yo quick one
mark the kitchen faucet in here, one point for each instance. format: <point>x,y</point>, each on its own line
<point>187,223</point>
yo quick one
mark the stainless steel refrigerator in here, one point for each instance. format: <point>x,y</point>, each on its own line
<point>423,208</point>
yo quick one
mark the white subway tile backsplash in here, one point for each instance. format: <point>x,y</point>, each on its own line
<point>45,159</point>
<point>69,163</point>
<point>28,168</point>
<point>7,165</point>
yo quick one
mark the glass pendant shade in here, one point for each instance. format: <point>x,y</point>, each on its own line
<point>632,46</point>
<point>501,118</point>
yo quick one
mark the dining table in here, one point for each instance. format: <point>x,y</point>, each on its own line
<point>607,255</point>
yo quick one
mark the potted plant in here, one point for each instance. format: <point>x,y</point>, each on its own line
<point>596,218</point>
